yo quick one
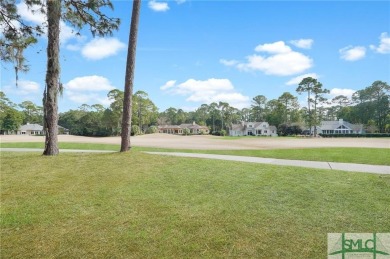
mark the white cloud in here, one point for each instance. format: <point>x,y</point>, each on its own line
<point>35,16</point>
<point>13,24</point>
<point>340,91</point>
<point>228,63</point>
<point>158,6</point>
<point>302,43</point>
<point>102,48</point>
<point>384,45</point>
<point>87,98</point>
<point>79,98</point>
<point>24,87</point>
<point>351,53</point>
<point>208,91</point>
<point>73,47</point>
<point>283,64</point>
<point>86,90</point>
<point>66,33</point>
<point>276,47</point>
<point>89,83</point>
<point>298,79</point>
<point>279,60</point>
<point>169,84</point>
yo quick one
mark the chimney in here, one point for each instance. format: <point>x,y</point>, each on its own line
<point>340,121</point>
<point>242,123</point>
<point>193,123</point>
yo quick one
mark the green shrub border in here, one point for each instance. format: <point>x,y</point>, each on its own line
<point>355,135</point>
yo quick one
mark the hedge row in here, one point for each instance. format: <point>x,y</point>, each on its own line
<point>367,135</point>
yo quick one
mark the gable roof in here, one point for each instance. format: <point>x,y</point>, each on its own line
<point>332,125</point>
<point>237,127</point>
<point>28,126</point>
<point>169,127</point>
<point>192,126</point>
<point>183,126</point>
<point>255,125</point>
<point>273,128</point>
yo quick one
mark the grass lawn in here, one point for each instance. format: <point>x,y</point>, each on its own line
<point>374,156</point>
<point>63,145</point>
<point>138,205</point>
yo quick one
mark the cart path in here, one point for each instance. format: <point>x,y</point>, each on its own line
<point>374,169</point>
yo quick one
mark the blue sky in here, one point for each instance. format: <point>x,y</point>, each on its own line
<point>195,52</point>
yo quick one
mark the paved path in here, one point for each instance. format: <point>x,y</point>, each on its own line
<point>61,150</point>
<point>374,169</point>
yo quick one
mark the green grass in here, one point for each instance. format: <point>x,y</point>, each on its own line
<point>374,156</point>
<point>63,145</point>
<point>137,205</point>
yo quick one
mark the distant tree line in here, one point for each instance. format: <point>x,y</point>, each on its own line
<point>13,115</point>
<point>369,106</point>
<point>96,120</point>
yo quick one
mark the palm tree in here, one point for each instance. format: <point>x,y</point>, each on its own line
<point>213,109</point>
<point>223,106</point>
<point>129,78</point>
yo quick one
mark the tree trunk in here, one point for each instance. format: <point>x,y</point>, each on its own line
<point>315,116</point>
<point>310,115</point>
<point>50,94</point>
<point>129,78</point>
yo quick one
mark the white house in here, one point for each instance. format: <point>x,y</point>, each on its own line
<point>252,129</point>
<point>30,129</point>
<point>36,129</point>
<point>178,129</point>
<point>339,127</point>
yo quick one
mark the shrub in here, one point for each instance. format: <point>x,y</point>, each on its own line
<point>355,135</point>
<point>135,130</point>
<point>215,133</point>
<point>151,130</point>
<point>186,132</point>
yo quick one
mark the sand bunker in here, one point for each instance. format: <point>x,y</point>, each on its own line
<point>213,142</point>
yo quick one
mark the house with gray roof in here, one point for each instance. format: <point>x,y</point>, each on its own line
<point>30,129</point>
<point>253,129</point>
<point>179,129</point>
<point>339,127</point>
<point>37,130</point>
